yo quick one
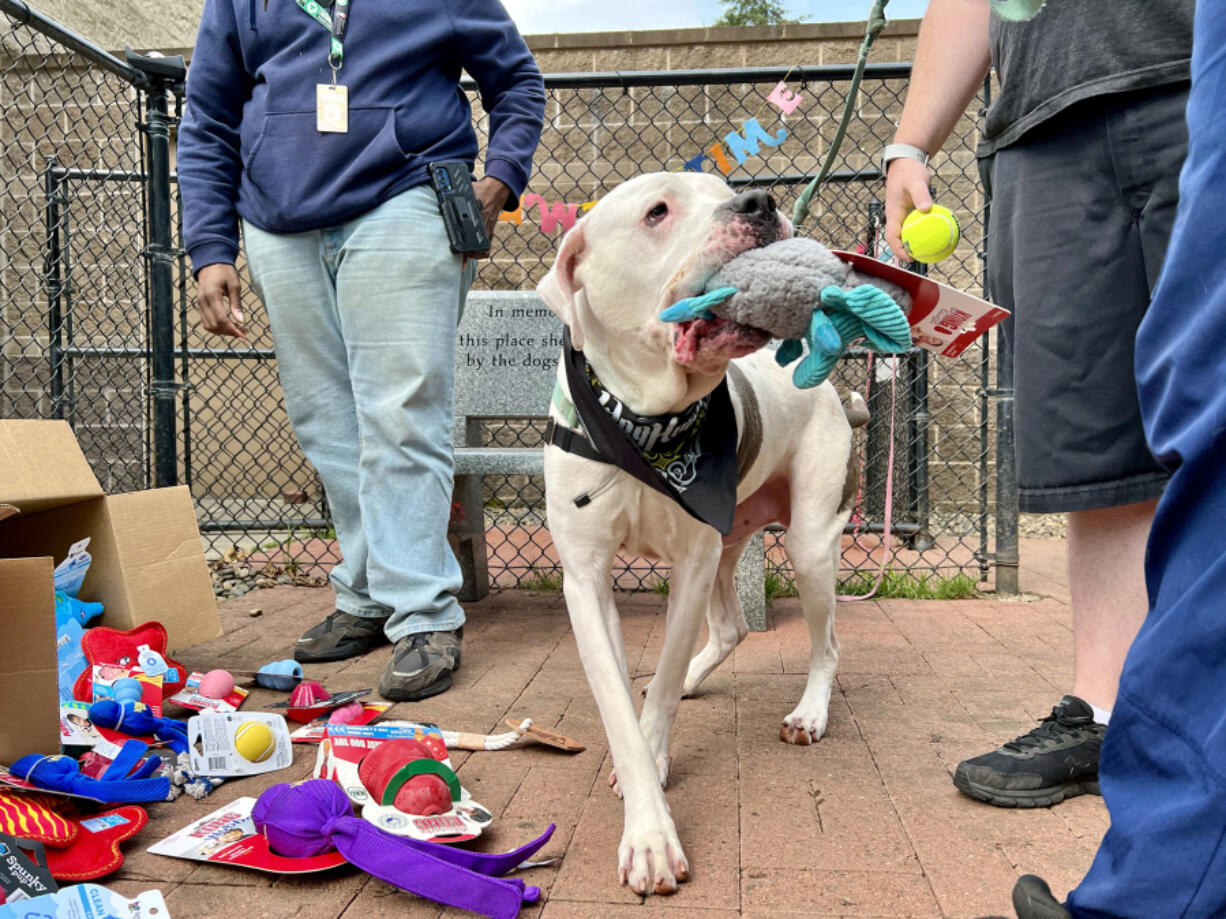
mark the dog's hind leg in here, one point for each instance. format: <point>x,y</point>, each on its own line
<point>725,621</point>
<point>813,548</point>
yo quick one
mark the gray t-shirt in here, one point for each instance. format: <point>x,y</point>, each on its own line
<point>1077,49</point>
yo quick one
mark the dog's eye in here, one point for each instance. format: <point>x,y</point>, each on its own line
<point>657,213</point>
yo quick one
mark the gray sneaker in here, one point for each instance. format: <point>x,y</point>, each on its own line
<point>339,637</point>
<point>421,666</point>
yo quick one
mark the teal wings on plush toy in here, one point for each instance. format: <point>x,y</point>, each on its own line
<point>799,291</point>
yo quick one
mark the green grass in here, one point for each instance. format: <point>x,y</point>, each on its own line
<point>902,585</point>
<point>540,581</point>
<point>659,586</point>
<point>778,586</point>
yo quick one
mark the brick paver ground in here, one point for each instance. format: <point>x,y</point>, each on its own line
<point>864,824</point>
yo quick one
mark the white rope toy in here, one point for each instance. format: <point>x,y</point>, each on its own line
<point>460,740</point>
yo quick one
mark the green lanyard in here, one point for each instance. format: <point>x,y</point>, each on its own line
<point>335,27</point>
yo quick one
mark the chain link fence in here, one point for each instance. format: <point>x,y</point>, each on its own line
<point>94,305</point>
<point>73,281</point>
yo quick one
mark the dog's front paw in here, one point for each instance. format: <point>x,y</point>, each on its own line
<point>803,728</point>
<point>651,860</point>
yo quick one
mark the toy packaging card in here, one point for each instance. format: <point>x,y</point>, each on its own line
<point>308,713</point>
<point>106,675</point>
<point>228,836</point>
<point>70,657</point>
<point>76,730</point>
<point>96,762</point>
<point>104,678</point>
<point>230,744</point>
<point>88,901</point>
<point>189,697</point>
<point>943,320</point>
<point>23,870</point>
<point>314,732</point>
<point>70,573</point>
<point>342,750</point>
<point>7,778</point>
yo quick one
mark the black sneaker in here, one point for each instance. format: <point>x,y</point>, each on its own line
<point>1057,760</point>
<point>421,666</point>
<point>1032,898</point>
<point>339,637</point>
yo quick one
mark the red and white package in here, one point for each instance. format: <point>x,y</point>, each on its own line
<point>944,320</point>
<point>189,697</point>
<point>341,752</point>
<point>228,837</point>
<point>317,729</point>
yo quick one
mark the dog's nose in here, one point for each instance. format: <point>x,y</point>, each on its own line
<point>754,203</point>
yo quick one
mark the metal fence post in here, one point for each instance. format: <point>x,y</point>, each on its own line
<point>160,252</point>
<point>1006,554</point>
<point>53,280</point>
<point>1006,466</point>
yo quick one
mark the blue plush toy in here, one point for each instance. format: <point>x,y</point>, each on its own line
<point>70,609</point>
<point>800,291</point>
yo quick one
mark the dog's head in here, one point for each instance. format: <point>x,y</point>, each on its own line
<point>647,244</point>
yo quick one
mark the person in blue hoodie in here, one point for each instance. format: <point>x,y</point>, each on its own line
<point>312,127</point>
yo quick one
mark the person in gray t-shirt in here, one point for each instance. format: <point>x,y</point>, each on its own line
<point>1081,152</point>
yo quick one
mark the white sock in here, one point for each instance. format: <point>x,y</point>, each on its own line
<point>1101,716</point>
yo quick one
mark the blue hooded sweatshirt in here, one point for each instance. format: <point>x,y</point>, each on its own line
<point>248,144</point>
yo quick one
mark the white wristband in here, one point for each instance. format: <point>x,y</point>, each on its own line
<point>901,151</point>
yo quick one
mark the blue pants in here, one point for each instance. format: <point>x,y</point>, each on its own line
<point>1163,770</point>
<point>364,319</point>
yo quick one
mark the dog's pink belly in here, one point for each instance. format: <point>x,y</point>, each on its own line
<point>772,503</point>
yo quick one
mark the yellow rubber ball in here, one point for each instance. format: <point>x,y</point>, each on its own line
<point>254,741</point>
<point>930,237</point>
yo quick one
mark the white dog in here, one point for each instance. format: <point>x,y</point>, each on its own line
<point>647,244</point>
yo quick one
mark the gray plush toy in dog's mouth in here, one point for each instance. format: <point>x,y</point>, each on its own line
<point>799,291</point>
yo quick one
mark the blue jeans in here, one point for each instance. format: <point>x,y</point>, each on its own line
<point>1163,769</point>
<point>364,319</point>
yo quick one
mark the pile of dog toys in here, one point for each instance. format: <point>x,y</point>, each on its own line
<point>63,816</point>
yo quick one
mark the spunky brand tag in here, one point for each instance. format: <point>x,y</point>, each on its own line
<point>331,108</point>
<point>23,871</point>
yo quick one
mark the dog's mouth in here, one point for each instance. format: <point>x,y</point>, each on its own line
<point>702,341</point>
<point>705,343</point>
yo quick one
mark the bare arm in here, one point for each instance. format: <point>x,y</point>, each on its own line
<point>952,59</point>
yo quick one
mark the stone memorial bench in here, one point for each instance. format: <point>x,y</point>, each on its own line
<point>507,350</point>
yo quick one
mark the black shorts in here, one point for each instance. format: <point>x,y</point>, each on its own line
<point>1082,209</point>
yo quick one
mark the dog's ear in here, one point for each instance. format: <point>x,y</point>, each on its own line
<point>558,289</point>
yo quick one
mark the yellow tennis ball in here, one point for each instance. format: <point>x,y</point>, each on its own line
<point>932,236</point>
<point>254,741</point>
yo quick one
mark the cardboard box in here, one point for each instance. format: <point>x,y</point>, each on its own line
<point>147,565</point>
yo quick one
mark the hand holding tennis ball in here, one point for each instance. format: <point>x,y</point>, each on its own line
<point>932,230</point>
<point>930,236</point>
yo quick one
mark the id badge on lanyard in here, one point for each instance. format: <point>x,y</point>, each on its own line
<point>331,99</point>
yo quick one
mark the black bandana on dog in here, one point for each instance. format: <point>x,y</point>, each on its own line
<point>690,456</point>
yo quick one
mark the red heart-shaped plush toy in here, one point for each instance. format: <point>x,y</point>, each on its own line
<point>104,645</point>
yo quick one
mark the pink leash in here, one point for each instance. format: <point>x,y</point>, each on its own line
<point>889,486</point>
